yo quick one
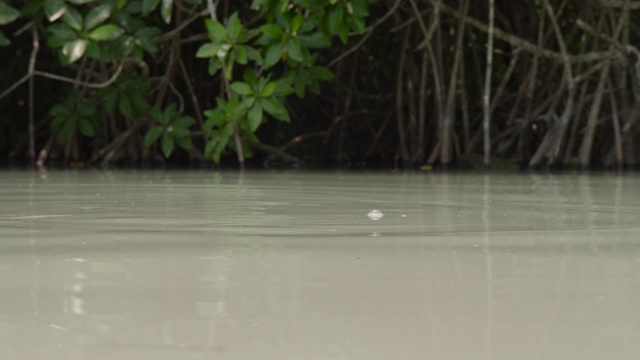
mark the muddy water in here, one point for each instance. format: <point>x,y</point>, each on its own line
<point>205,265</point>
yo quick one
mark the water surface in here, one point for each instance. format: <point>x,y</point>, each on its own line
<point>207,265</point>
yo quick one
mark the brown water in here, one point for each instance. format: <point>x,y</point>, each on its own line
<point>205,265</point>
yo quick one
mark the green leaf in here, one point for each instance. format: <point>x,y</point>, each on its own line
<point>273,30</point>
<point>275,108</point>
<point>246,103</point>
<point>184,142</point>
<point>241,88</point>
<point>209,149</point>
<point>335,16</point>
<point>359,8</point>
<point>165,10</point>
<point>125,106</point>
<point>283,87</point>
<point>148,6</point>
<point>120,4</point>
<point>234,26</point>
<point>241,55</point>
<point>61,33</point>
<point>86,109</point>
<point>86,128</point>
<point>170,112</point>
<point>299,89</point>
<point>148,32</point>
<point>110,102</point>
<point>274,54</point>
<point>217,32</point>
<point>219,147</point>
<point>73,50</point>
<point>250,78</point>
<point>3,40</point>
<point>94,52</point>
<point>73,18</point>
<point>343,33</point>
<point>284,5</point>
<point>184,122</point>
<point>294,50</point>
<point>208,50</point>
<point>157,115</point>
<point>65,131</point>
<point>7,13</point>
<point>253,54</point>
<point>144,38</point>
<point>216,117</point>
<point>96,16</point>
<point>231,107</point>
<point>167,144</point>
<point>214,65</point>
<point>178,133</point>
<point>31,7</point>
<point>295,23</point>
<point>228,70</point>
<point>321,73</point>
<point>268,90</point>
<point>105,32</point>
<point>255,117</point>
<point>57,122</point>
<point>138,101</point>
<point>315,40</point>
<point>152,135</point>
<point>54,9</point>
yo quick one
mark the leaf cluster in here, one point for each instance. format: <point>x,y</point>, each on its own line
<point>260,63</point>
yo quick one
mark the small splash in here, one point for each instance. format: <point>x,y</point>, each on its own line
<point>375,214</point>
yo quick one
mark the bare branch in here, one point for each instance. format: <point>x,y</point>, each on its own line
<point>101,85</point>
<point>528,46</point>
<point>633,5</point>
<point>368,31</point>
<point>486,97</point>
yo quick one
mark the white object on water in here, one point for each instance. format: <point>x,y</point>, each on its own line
<point>375,214</point>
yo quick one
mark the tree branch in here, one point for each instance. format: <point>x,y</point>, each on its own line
<point>526,45</point>
<point>368,31</point>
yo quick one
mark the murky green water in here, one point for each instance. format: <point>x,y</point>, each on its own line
<point>205,265</point>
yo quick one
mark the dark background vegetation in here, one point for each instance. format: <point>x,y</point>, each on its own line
<point>410,86</point>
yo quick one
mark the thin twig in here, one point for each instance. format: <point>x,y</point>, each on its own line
<point>194,98</point>
<point>486,97</point>
<point>300,138</point>
<point>505,78</point>
<point>180,97</point>
<point>271,150</point>
<point>616,126</point>
<point>100,85</point>
<point>588,28</point>
<point>368,31</point>
<point>568,75</point>
<point>24,28</point>
<point>169,34</point>
<point>404,152</point>
<point>350,51</point>
<point>592,120</point>
<point>211,8</point>
<point>428,34</point>
<point>526,45</point>
<point>32,65</point>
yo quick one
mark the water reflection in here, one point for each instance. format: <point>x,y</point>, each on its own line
<point>152,265</point>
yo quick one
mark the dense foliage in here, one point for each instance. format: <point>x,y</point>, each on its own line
<point>122,59</point>
<point>339,81</point>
